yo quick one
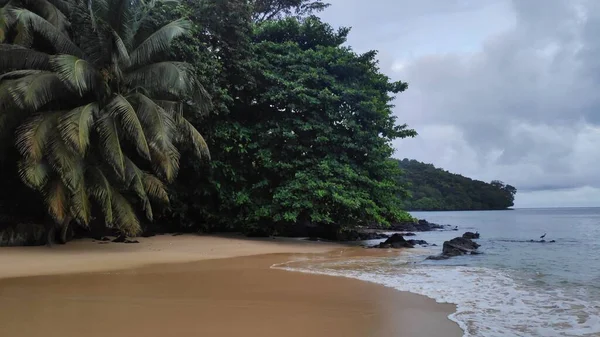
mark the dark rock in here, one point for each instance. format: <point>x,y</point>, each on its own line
<point>459,246</point>
<point>148,234</point>
<point>120,238</point>
<point>438,257</point>
<point>433,245</point>
<point>417,242</point>
<point>395,241</point>
<point>552,240</point>
<point>409,234</point>
<point>132,241</point>
<point>471,235</point>
<point>104,238</point>
<point>455,247</point>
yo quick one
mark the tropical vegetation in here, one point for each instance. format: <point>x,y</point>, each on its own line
<point>95,106</point>
<point>434,189</point>
<point>103,103</point>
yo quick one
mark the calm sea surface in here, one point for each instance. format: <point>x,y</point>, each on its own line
<point>516,288</point>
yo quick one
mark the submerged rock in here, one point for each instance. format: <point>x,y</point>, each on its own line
<point>471,235</point>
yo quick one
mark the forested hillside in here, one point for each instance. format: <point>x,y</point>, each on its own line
<point>193,115</point>
<point>434,189</point>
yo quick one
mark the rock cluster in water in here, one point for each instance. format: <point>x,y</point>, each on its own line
<point>457,246</point>
<point>398,241</point>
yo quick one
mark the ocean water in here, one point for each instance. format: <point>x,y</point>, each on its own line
<point>516,287</point>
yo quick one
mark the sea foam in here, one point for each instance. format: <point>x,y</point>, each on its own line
<point>490,302</point>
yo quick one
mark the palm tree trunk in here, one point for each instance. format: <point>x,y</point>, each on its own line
<point>50,234</point>
<point>65,230</point>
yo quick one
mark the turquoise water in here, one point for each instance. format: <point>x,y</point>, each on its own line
<point>516,288</point>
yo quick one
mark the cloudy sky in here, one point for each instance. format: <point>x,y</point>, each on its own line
<point>498,89</point>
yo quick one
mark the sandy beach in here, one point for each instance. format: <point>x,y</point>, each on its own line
<point>199,286</point>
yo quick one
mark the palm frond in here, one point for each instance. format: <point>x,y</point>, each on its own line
<point>47,10</point>
<point>33,135</point>
<point>34,173</point>
<point>75,125</point>
<point>79,74</point>
<point>66,163</point>
<point>16,57</point>
<point>121,17</point>
<point>111,145</point>
<point>155,188</point>
<point>120,108</point>
<point>133,178</point>
<point>158,42</point>
<point>166,164</point>
<point>124,216</point>
<point>158,125</point>
<point>192,136</point>
<point>81,207</point>
<point>57,200</point>
<point>34,91</point>
<point>18,74</point>
<point>100,189</point>
<point>175,78</point>
<point>6,20</point>
<point>60,42</point>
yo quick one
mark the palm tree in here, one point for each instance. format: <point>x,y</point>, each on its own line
<point>93,107</point>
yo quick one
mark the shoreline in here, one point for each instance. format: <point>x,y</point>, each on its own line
<point>217,280</point>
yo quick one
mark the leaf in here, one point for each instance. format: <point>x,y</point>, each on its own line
<point>111,145</point>
<point>66,163</point>
<point>80,204</point>
<point>32,136</point>
<point>158,42</point>
<point>50,12</point>
<point>175,78</point>
<point>16,57</point>
<point>34,173</point>
<point>155,188</point>
<point>60,42</point>
<point>159,128</point>
<point>100,189</point>
<point>77,73</point>
<point>120,108</point>
<point>34,91</point>
<point>193,137</point>
<point>133,178</point>
<point>75,125</point>
<point>124,216</point>
<point>57,201</point>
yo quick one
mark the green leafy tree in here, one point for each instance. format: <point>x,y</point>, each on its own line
<point>433,189</point>
<point>313,135</point>
<point>94,105</point>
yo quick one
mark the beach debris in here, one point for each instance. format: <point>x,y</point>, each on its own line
<point>120,238</point>
<point>471,235</point>
<point>455,247</point>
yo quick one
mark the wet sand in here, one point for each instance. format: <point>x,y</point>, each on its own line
<point>239,296</point>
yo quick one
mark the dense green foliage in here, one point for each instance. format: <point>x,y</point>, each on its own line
<point>433,189</point>
<point>301,129</point>
<point>94,107</point>
<point>299,125</point>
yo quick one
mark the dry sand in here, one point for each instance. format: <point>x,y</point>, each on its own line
<point>155,289</point>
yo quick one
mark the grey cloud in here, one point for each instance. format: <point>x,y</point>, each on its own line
<point>497,89</point>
